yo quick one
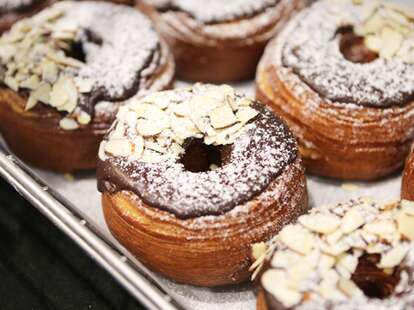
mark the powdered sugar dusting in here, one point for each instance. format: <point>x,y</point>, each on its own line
<point>312,51</point>
<point>358,242</point>
<point>217,10</point>
<point>128,43</point>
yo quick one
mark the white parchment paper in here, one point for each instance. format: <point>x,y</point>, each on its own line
<point>82,193</point>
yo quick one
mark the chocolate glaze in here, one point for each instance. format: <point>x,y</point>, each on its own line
<point>237,13</point>
<point>256,158</point>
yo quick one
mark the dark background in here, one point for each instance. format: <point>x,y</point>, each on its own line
<point>41,268</point>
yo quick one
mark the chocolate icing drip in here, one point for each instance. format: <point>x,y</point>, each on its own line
<point>215,11</point>
<point>313,52</point>
<point>258,156</point>
<point>88,101</point>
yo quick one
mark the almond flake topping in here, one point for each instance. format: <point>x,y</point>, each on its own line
<point>33,54</point>
<point>162,121</point>
<point>388,29</point>
<point>312,261</point>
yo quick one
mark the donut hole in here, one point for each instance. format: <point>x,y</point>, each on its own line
<point>353,47</point>
<point>76,51</point>
<point>200,157</point>
<point>373,281</point>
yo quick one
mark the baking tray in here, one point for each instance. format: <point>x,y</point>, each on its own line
<point>72,203</point>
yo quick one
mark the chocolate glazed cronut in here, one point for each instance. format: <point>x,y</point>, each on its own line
<point>217,41</point>
<point>350,107</point>
<point>56,107</point>
<point>193,217</point>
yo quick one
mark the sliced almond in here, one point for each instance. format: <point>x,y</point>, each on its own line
<point>84,85</point>
<point>84,118</point>
<point>153,112</point>
<point>394,257</point>
<point>11,83</point>
<point>63,35</point>
<point>349,262</point>
<point>408,207</point>
<point>373,24</point>
<point>182,109</point>
<point>139,108</point>
<point>334,237</point>
<point>154,146</point>
<point>31,103</point>
<point>356,240</point>
<point>183,127</point>
<point>326,262</point>
<point>258,249</point>
<point>59,96</point>
<point>49,72</point>
<point>203,124</point>
<point>244,102</point>
<point>374,42</point>
<point>138,146</point>
<point>32,83</point>
<point>380,228</point>
<point>321,223</point>
<point>376,248</point>
<point>245,114</point>
<point>222,117</point>
<point>352,220</point>
<point>201,106</point>
<point>177,149</point>
<point>393,41</point>
<point>336,249</point>
<point>349,187</point>
<point>297,238</point>
<point>64,95</point>
<point>406,225</point>
<point>349,288</point>
<point>227,90</point>
<point>328,286</point>
<point>273,281</point>
<point>42,93</point>
<point>149,128</point>
<point>120,147</point>
<point>284,259</point>
<point>63,60</point>
<point>68,124</point>
<point>225,136</point>
<point>299,272</point>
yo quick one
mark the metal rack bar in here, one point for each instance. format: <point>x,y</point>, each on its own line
<point>54,207</point>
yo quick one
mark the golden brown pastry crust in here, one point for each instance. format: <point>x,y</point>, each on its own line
<point>407,191</point>
<point>212,53</point>
<point>261,301</point>
<point>335,141</point>
<point>207,251</point>
<point>36,137</point>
